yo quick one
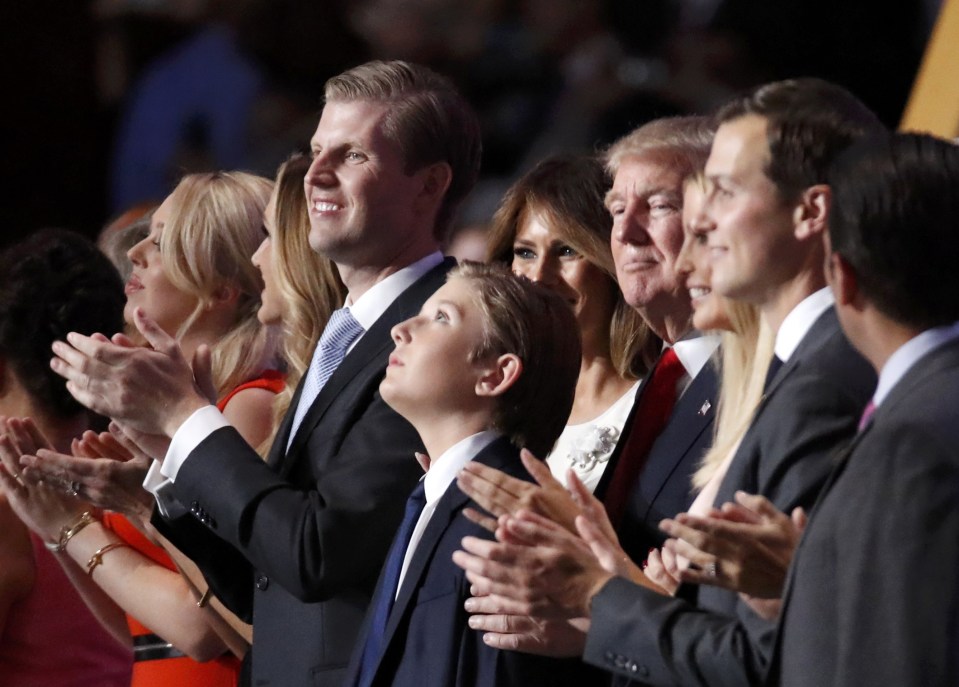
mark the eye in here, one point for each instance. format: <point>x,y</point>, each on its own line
<point>567,252</point>
<point>700,238</point>
<point>523,253</point>
<point>440,316</point>
<point>616,209</point>
<point>354,156</point>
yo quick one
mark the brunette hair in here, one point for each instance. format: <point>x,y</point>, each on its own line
<point>567,192</point>
<point>536,325</point>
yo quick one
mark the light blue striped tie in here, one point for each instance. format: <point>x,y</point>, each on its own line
<point>340,332</point>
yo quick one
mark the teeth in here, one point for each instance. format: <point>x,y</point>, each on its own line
<point>699,292</point>
<point>320,206</point>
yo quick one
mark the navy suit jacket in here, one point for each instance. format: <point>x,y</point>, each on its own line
<point>810,411</point>
<point>296,543</point>
<point>664,487</point>
<point>872,596</point>
<point>427,641</point>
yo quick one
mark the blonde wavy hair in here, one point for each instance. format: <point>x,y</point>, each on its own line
<point>214,227</point>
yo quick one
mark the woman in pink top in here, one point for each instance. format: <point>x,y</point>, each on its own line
<point>53,283</point>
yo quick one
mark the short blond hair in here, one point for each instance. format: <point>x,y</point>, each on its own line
<point>687,140</point>
<point>428,119</point>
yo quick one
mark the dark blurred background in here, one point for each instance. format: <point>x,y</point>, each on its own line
<point>108,102</point>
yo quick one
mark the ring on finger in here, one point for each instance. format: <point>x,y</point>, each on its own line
<point>711,569</point>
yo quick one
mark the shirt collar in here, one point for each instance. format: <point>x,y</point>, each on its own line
<point>694,351</point>
<point>368,307</point>
<point>909,354</point>
<point>443,470</point>
<point>799,321</point>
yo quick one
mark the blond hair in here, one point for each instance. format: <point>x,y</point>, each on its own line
<point>687,140</point>
<point>214,227</point>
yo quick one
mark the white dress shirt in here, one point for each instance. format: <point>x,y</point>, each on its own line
<point>437,480</point>
<point>367,310</point>
<point>800,319</point>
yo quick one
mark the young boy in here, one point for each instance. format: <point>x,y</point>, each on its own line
<point>488,366</point>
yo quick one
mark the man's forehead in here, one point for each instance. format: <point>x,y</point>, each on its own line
<point>645,171</point>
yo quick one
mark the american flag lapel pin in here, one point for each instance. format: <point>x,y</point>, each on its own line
<point>705,407</point>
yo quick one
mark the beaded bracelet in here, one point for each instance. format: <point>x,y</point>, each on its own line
<point>97,558</point>
<point>67,532</point>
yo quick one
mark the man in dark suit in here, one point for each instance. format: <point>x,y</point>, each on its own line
<point>487,352</point>
<point>872,593</point>
<point>296,544</point>
<point>768,205</point>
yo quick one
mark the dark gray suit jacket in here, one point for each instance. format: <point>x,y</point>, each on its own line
<point>811,408</point>
<point>296,544</point>
<point>873,594</point>
<point>664,487</point>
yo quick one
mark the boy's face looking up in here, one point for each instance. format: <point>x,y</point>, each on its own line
<point>432,371</point>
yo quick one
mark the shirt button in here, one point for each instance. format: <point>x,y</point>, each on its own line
<point>262,582</point>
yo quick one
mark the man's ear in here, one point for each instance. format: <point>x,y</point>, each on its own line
<point>812,212</point>
<point>436,179</point>
<point>499,375</point>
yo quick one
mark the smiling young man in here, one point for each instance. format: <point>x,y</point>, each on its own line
<point>296,543</point>
<point>488,366</point>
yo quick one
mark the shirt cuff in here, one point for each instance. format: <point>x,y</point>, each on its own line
<point>162,490</point>
<point>191,433</point>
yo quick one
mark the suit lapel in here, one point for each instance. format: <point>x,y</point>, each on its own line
<point>498,454</point>
<point>371,349</point>
<point>692,416</point>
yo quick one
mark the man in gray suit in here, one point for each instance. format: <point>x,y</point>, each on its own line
<point>872,596</point>
<point>768,206</point>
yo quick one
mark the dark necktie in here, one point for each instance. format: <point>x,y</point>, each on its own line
<point>653,412</point>
<point>774,366</point>
<point>383,602</point>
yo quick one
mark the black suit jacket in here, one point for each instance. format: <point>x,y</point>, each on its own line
<point>872,597</point>
<point>427,640</point>
<point>297,543</point>
<point>664,487</point>
<point>811,409</point>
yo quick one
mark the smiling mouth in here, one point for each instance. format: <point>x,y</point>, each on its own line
<point>322,206</point>
<point>697,292</point>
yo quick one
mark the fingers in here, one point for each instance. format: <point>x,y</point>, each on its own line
<point>491,489</point>
<point>481,519</point>
<point>158,339</point>
<point>9,457</point>
<point>423,460</point>
<point>493,604</point>
<point>590,507</point>
<point>538,469</point>
<point>758,504</point>
<point>610,556</point>
<point>799,519</point>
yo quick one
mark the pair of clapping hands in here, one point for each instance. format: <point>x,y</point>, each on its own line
<point>48,488</point>
<point>555,549</point>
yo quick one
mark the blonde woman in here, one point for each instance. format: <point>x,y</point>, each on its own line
<point>747,347</point>
<point>192,275</point>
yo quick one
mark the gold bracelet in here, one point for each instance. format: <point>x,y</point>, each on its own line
<point>97,558</point>
<point>67,532</point>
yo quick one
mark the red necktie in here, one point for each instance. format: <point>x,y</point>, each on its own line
<point>652,413</point>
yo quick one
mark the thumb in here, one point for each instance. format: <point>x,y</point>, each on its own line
<point>203,372</point>
<point>158,339</point>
